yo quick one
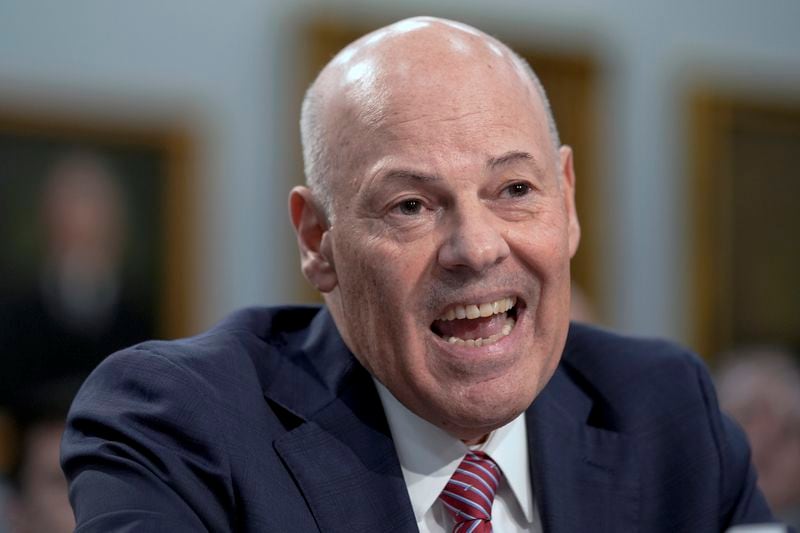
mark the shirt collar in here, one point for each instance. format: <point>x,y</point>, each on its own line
<point>429,455</point>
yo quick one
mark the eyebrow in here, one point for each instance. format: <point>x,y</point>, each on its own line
<point>410,175</point>
<point>507,158</point>
<point>493,163</point>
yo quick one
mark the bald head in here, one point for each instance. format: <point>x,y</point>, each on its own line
<point>416,63</point>
<point>436,180</point>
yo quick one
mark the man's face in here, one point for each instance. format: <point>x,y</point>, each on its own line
<point>454,202</point>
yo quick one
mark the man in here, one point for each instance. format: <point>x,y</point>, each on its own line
<point>439,387</point>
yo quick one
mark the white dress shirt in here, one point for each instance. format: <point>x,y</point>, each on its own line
<point>429,456</point>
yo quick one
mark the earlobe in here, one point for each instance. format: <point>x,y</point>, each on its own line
<point>568,182</point>
<point>314,239</point>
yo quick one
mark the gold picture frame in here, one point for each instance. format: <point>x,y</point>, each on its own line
<point>745,226</point>
<point>169,150</point>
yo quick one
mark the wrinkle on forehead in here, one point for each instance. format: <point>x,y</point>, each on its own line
<point>427,116</point>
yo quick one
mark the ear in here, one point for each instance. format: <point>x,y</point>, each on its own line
<point>313,239</point>
<point>568,185</point>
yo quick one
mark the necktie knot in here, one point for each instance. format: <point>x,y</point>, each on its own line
<point>469,494</point>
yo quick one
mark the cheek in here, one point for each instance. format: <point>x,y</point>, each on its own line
<point>382,269</point>
<point>382,288</point>
<point>373,294</point>
<point>543,248</point>
<point>370,277</point>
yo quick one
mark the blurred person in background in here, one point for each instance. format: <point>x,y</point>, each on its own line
<point>39,500</point>
<point>78,312</point>
<point>5,498</point>
<point>760,388</point>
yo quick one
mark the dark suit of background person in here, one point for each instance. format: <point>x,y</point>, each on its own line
<point>268,423</point>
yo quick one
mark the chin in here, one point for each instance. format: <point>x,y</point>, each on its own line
<point>478,427</point>
<point>484,408</point>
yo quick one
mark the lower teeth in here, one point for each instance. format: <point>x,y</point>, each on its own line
<point>507,327</point>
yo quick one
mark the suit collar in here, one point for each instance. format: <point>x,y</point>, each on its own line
<point>306,367</point>
<point>342,456</point>
<point>585,478</point>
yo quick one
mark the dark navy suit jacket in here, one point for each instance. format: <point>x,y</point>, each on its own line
<point>268,423</point>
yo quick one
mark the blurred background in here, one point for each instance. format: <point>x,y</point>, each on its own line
<point>147,149</point>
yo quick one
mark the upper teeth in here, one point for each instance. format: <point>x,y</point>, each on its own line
<point>479,310</point>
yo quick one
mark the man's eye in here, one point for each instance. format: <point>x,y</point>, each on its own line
<point>412,206</point>
<point>515,190</point>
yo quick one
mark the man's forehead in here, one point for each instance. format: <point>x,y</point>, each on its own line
<point>422,81</point>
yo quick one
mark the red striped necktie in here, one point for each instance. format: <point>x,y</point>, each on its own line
<point>469,494</point>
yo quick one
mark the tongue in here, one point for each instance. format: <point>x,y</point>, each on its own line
<point>471,328</point>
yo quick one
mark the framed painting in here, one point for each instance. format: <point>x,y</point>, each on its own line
<point>95,232</point>
<point>95,238</point>
<point>745,182</point>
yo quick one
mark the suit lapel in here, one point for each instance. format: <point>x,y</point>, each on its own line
<point>584,478</point>
<point>344,462</point>
<point>342,456</point>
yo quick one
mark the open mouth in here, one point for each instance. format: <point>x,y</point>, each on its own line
<point>477,324</point>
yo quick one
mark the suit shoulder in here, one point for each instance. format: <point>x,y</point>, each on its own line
<point>636,381</point>
<point>270,326</point>
<point>660,395</point>
<point>598,350</point>
<point>244,346</point>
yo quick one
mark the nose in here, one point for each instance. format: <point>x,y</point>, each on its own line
<point>475,241</point>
